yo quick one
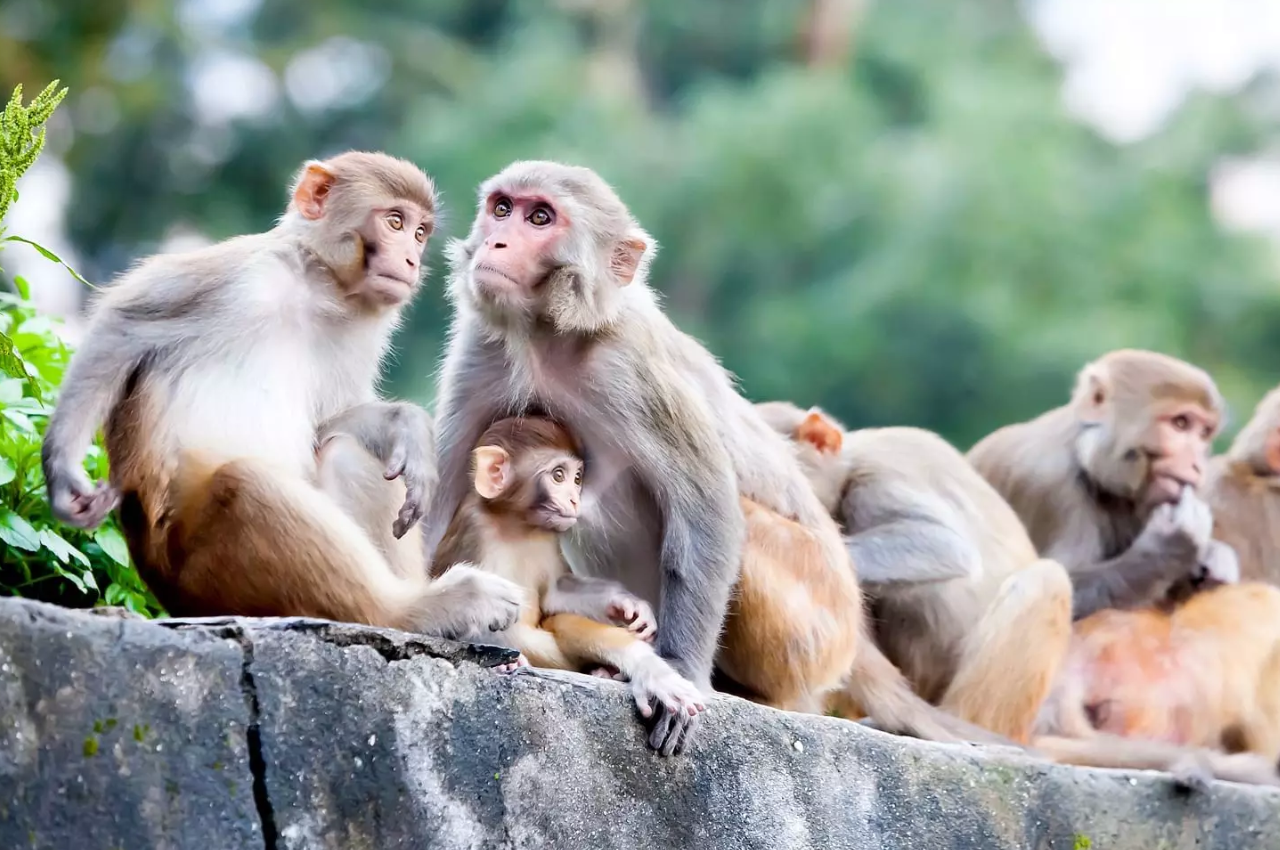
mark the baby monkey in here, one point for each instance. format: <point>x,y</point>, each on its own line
<point>527,482</point>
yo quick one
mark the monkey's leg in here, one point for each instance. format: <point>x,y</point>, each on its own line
<point>353,478</point>
<point>1261,729</point>
<point>1011,658</point>
<point>793,624</point>
<point>250,540</point>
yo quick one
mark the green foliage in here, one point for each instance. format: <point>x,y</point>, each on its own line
<point>41,559</point>
<point>22,137</point>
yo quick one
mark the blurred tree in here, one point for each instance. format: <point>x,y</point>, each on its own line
<point>881,208</point>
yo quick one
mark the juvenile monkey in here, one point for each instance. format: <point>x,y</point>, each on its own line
<point>688,491</point>
<point>1243,489</point>
<point>981,625</point>
<point>961,603</point>
<point>235,381</point>
<point>1106,485</point>
<point>527,478</point>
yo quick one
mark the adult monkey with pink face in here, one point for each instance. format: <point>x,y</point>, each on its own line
<point>1107,484</point>
<point>688,491</point>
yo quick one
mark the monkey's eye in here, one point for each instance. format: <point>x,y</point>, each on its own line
<point>577,478</point>
<point>421,233</point>
<point>502,208</point>
<point>395,220</point>
<point>541,217</point>
<point>557,475</point>
<point>1181,422</point>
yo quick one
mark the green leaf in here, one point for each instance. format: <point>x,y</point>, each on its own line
<point>24,288</point>
<point>87,575</point>
<point>7,472</point>
<point>113,544</point>
<point>49,255</point>
<point>10,364</point>
<point>16,531</point>
<point>61,549</point>
<point>11,390</point>
<point>19,419</point>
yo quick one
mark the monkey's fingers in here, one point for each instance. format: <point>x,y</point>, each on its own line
<point>397,462</point>
<point>671,731</point>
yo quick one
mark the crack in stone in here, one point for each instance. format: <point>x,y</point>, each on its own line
<point>253,735</point>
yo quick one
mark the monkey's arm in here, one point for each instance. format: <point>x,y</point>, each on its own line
<point>1168,549</point>
<point>690,472</point>
<point>602,600</point>
<point>138,319</point>
<point>912,550</point>
<point>468,404</point>
<point>399,435</point>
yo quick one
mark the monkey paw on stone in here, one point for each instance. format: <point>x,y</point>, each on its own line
<point>481,602</point>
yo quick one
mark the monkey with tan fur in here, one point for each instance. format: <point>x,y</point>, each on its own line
<point>982,626</point>
<point>256,470</point>
<point>689,495</point>
<point>527,477</point>
<point>1243,489</point>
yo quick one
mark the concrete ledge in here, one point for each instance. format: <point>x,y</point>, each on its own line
<point>215,734</point>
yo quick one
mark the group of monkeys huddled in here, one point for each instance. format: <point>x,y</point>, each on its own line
<point>1064,587</point>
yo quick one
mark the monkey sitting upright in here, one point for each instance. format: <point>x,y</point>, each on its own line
<point>250,455</point>
<point>527,480</point>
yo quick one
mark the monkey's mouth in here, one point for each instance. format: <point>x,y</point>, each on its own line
<point>1165,489</point>
<point>490,271</point>
<point>553,520</point>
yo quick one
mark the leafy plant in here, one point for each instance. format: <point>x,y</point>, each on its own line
<point>40,558</point>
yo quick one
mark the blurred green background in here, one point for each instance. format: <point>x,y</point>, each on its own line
<point>920,211</point>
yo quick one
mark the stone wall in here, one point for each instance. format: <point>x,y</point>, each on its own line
<point>126,734</point>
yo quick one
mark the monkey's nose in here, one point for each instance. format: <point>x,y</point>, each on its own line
<point>497,245</point>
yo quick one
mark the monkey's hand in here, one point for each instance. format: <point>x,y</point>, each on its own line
<point>633,614</point>
<point>1176,533</point>
<point>75,499</point>
<point>1219,564</point>
<point>679,704</point>
<point>467,602</point>
<point>409,459</point>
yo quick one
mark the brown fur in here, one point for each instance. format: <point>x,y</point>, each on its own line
<point>220,372</point>
<point>1243,488</point>
<point>984,644</point>
<point>1079,477</point>
<point>496,533</point>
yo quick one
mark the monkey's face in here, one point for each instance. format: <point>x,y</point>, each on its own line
<point>516,243</point>
<point>1148,450</point>
<point>557,492</point>
<point>394,239</point>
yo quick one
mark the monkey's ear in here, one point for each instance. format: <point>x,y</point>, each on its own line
<point>1093,396</point>
<point>625,259</point>
<point>493,471</point>
<point>312,191</point>
<point>820,432</point>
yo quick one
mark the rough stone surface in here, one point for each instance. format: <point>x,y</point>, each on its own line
<point>302,734</point>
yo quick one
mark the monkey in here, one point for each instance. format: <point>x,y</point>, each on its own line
<point>1242,487</point>
<point>1107,484</point>
<point>527,480</point>
<point>960,601</point>
<point>237,386</point>
<point>1202,673</point>
<point>690,499</point>
<point>964,606</point>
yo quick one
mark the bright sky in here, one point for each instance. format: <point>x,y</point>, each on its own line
<point>1127,67</point>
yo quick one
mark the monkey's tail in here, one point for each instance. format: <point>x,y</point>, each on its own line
<point>880,689</point>
<point>1190,766</point>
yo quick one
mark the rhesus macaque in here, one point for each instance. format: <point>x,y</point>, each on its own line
<point>1205,674</point>
<point>1106,484</point>
<point>688,492</point>
<point>960,601</point>
<point>964,606</point>
<point>1243,489</point>
<point>527,479</point>
<point>256,471</point>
